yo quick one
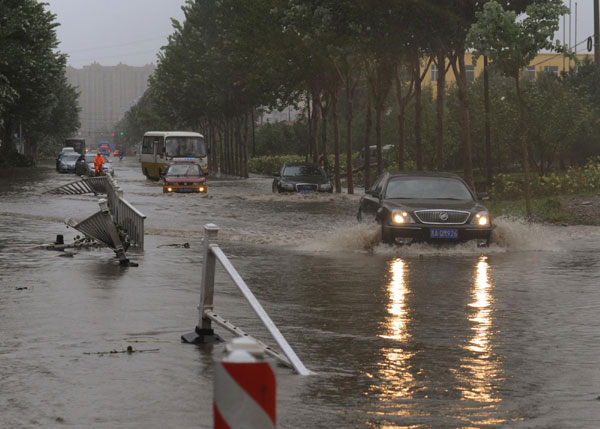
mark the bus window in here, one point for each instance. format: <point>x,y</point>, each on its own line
<point>185,147</point>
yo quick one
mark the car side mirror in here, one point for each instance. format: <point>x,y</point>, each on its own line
<point>276,174</point>
<point>483,196</point>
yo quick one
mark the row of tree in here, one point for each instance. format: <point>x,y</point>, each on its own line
<point>231,56</point>
<point>37,104</point>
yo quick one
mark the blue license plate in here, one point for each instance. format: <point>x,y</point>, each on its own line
<point>306,191</point>
<point>443,233</point>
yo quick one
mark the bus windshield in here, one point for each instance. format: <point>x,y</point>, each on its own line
<point>185,147</point>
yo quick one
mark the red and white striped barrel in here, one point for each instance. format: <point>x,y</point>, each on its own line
<point>244,393</point>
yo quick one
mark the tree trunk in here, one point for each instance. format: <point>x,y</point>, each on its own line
<point>324,106</point>
<point>349,113</point>
<point>488,139</point>
<point>315,127</point>
<point>367,147</point>
<point>418,112</point>
<point>524,149</point>
<point>245,147</point>
<point>440,104</point>
<point>378,110</point>
<point>402,101</point>
<point>465,122</point>
<point>336,142</point>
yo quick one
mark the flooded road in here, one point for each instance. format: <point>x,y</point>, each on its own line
<point>417,337</point>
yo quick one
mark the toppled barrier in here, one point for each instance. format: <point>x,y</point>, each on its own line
<point>118,224</point>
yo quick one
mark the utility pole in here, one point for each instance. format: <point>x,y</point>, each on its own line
<point>596,36</point>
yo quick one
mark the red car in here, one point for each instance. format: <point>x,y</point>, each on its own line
<point>184,176</point>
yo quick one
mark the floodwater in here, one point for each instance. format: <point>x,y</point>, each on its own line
<point>417,337</point>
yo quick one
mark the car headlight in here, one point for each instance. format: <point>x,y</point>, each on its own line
<point>400,217</point>
<point>287,186</point>
<point>481,219</point>
<point>325,186</point>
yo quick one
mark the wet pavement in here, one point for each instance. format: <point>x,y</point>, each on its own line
<point>419,337</point>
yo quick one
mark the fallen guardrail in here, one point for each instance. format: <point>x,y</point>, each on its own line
<point>124,213</point>
<point>204,334</point>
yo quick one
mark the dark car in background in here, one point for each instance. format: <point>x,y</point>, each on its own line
<point>66,164</point>
<point>429,207</point>
<point>301,177</point>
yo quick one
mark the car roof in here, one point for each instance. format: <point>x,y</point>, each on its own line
<point>424,174</point>
<point>295,164</point>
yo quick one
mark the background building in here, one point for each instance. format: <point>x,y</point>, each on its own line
<point>106,93</point>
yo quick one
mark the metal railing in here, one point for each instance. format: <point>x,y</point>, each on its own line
<point>213,253</point>
<point>125,214</point>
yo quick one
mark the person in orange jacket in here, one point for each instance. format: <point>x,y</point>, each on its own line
<point>99,165</point>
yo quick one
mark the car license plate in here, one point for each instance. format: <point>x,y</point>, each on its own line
<point>306,191</point>
<point>443,233</point>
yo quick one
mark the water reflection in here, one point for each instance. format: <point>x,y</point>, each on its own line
<point>481,369</point>
<point>395,365</point>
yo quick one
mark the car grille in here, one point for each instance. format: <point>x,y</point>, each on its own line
<point>306,187</point>
<point>442,216</point>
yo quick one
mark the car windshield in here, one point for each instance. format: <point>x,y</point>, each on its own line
<point>302,170</point>
<point>89,157</point>
<point>71,157</point>
<point>431,188</point>
<point>184,170</point>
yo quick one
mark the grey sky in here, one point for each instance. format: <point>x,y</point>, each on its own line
<point>132,31</point>
<point>114,31</point>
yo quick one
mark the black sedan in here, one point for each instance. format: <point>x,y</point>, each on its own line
<point>301,177</point>
<point>431,207</point>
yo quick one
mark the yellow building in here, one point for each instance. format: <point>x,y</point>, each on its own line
<point>548,63</point>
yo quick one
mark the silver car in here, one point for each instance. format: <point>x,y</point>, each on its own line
<point>67,162</point>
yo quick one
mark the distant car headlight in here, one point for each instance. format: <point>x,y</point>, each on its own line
<point>169,189</point>
<point>325,187</point>
<point>400,217</point>
<point>481,219</point>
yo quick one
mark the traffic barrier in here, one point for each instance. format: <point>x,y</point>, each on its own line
<point>123,213</point>
<point>204,333</point>
<point>244,388</point>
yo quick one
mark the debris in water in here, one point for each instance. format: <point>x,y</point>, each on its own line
<point>178,245</point>
<point>21,288</point>
<point>129,351</point>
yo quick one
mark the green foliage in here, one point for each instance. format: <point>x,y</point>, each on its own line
<point>34,95</point>
<point>281,138</point>
<point>14,159</point>
<point>267,165</point>
<point>574,181</point>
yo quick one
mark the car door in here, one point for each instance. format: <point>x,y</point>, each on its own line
<point>371,201</point>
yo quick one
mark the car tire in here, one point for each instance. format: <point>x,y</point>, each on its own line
<point>359,215</point>
<point>274,187</point>
<point>386,235</point>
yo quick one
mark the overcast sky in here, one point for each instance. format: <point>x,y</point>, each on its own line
<point>114,31</point>
<point>132,31</point>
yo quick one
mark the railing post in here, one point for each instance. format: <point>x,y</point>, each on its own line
<point>204,333</point>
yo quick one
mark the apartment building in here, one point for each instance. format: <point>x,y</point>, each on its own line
<point>106,93</point>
